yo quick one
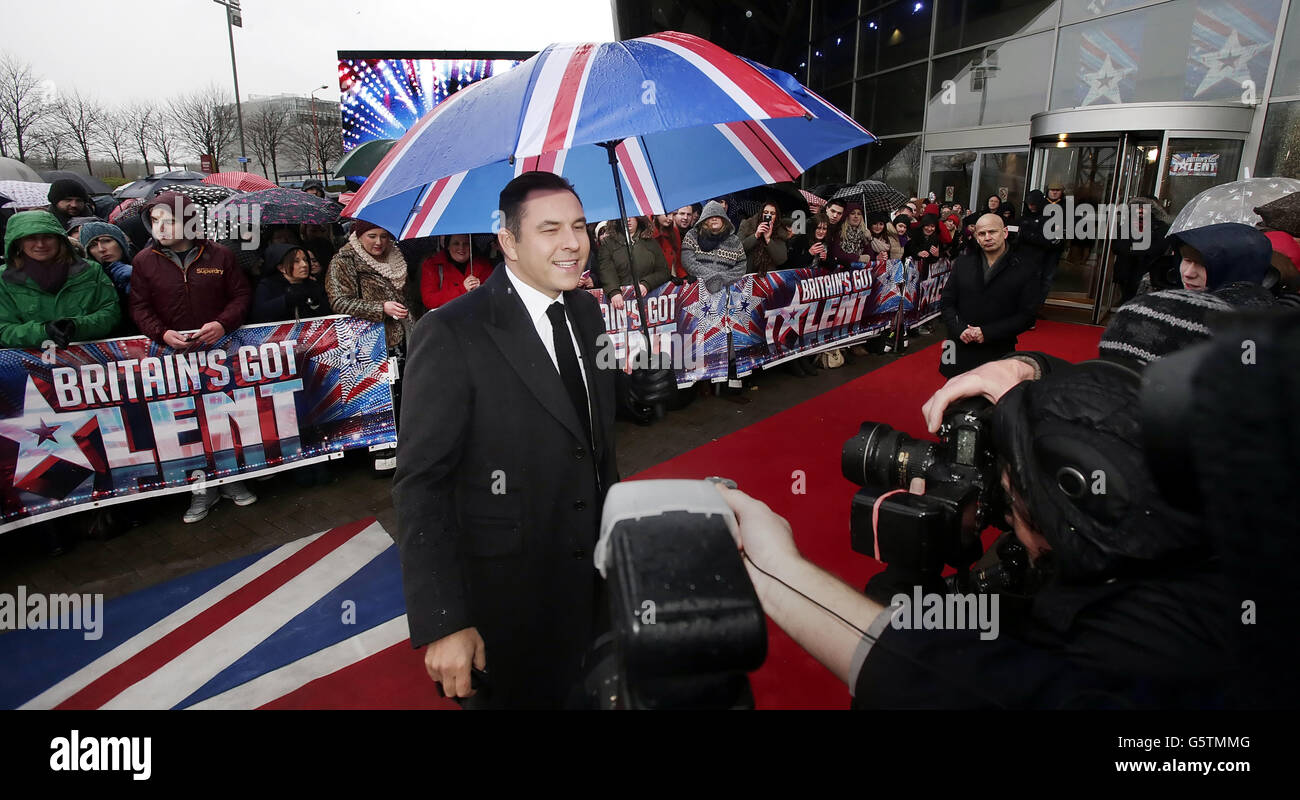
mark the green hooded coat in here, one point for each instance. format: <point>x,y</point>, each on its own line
<point>87,297</point>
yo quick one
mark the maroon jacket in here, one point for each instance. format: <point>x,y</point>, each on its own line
<point>164,296</point>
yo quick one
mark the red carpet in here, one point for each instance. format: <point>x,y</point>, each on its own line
<point>764,458</point>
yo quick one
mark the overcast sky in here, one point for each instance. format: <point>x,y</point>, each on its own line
<point>124,50</point>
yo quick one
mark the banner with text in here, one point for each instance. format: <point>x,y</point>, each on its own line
<point>110,421</point>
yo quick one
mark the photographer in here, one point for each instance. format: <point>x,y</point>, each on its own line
<point>1131,607</point>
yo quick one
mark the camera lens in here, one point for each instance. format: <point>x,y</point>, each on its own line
<point>882,456</point>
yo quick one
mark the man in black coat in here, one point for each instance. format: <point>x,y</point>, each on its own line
<point>989,299</point>
<point>506,452</point>
<point>1040,242</point>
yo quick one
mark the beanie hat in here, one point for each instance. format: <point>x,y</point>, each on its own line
<point>1282,214</point>
<point>1035,197</point>
<point>64,188</point>
<point>903,218</point>
<point>877,216</point>
<point>1245,296</point>
<point>1154,325</point>
<point>929,219</point>
<point>95,229</point>
<point>360,226</point>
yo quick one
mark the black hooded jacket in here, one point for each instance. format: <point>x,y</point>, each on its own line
<point>1232,251</point>
<point>276,299</point>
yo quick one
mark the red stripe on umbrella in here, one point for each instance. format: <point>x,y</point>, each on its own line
<point>239,181</point>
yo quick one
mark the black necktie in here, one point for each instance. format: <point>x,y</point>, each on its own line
<point>569,370</point>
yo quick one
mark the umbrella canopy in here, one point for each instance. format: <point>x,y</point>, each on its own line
<point>691,120</point>
<point>814,202</point>
<point>148,187</point>
<point>25,194</point>
<point>239,181</point>
<point>92,184</point>
<point>786,197</point>
<point>11,169</point>
<point>873,195</point>
<point>122,207</point>
<point>362,159</point>
<point>1232,202</point>
<point>280,206</point>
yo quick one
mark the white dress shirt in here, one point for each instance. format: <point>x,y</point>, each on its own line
<point>536,303</point>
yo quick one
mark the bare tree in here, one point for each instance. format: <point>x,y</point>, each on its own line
<point>328,138</point>
<point>205,120</point>
<point>301,141</point>
<point>163,136</point>
<point>268,131</point>
<point>116,138</point>
<point>141,118</point>
<point>48,142</point>
<point>22,100</point>
<point>79,118</point>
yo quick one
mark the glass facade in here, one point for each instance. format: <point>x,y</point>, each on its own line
<point>1004,83</point>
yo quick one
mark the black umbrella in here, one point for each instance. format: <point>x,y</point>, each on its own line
<point>92,184</point>
<point>874,196</point>
<point>785,196</point>
<point>147,187</point>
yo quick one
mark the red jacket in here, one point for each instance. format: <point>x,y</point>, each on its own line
<point>165,296</point>
<point>670,241</point>
<point>438,290</point>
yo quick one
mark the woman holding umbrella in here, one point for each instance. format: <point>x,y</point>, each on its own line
<point>367,280</point>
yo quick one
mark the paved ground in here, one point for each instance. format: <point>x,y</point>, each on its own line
<point>161,547</point>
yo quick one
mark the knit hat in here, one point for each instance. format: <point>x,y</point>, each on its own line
<point>1035,197</point>
<point>360,226</point>
<point>877,216</point>
<point>903,218</point>
<point>1152,326</point>
<point>1282,214</point>
<point>64,188</point>
<point>929,219</point>
<point>1245,296</point>
<point>93,230</point>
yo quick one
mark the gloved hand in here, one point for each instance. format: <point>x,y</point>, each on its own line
<point>61,331</point>
<point>650,387</point>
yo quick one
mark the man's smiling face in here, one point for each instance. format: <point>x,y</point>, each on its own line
<point>551,250</point>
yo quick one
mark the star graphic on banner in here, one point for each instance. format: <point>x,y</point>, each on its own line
<point>790,320</point>
<point>54,438</point>
<point>1105,82</point>
<point>345,360</point>
<point>1232,63</point>
<point>44,432</point>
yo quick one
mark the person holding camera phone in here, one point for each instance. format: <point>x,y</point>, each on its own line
<point>188,292</point>
<point>766,238</point>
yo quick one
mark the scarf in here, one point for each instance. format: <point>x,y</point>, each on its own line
<point>851,239</point>
<point>709,241</point>
<point>393,268</point>
<point>49,275</point>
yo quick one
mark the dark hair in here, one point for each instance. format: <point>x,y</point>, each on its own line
<point>833,202</point>
<point>516,192</point>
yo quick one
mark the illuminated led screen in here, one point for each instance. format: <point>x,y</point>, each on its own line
<point>383,94</point>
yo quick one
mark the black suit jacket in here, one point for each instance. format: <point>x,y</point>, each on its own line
<point>1002,307</point>
<point>498,495</point>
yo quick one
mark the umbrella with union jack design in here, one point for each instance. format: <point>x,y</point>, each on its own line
<point>685,119</point>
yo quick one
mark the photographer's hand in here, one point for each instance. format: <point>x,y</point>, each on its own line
<point>824,615</point>
<point>990,381</point>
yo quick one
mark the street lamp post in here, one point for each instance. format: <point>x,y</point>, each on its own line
<point>315,128</point>
<point>235,17</point>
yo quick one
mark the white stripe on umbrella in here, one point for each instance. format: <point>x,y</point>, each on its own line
<point>748,102</point>
<point>764,175</point>
<point>635,169</point>
<point>544,97</point>
<point>841,114</point>
<point>547,162</point>
<point>435,204</point>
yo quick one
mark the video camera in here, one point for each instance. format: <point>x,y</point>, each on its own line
<point>916,536</point>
